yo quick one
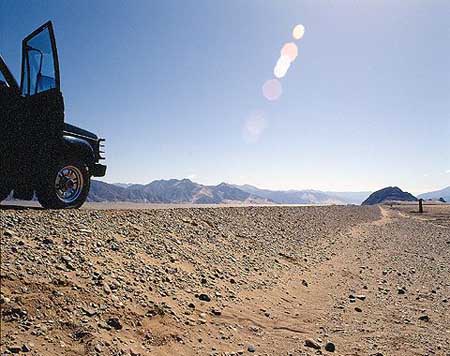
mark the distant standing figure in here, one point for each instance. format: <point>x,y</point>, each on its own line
<point>420,206</point>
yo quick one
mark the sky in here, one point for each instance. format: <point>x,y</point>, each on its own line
<point>176,88</point>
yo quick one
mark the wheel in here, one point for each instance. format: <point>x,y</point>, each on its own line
<point>65,187</point>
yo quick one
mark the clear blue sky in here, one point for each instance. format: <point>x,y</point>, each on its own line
<point>172,84</point>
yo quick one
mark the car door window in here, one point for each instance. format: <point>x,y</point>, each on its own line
<point>39,70</point>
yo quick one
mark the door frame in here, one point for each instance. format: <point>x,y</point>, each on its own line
<point>41,28</point>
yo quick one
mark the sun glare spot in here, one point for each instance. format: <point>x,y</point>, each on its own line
<point>290,51</point>
<point>282,66</point>
<point>272,89</point>
<point>298,32</point>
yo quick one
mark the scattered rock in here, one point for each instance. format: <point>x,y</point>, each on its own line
<point>311,343</point>
<point>114,323</point>
<point>133,352</point>
<point>14,349</point>
<point>106,288</point>
<point>4,300</point>
<point>330,347</point>
<point>104,326</point>
<point>8,233</point>
<point>204,297</point>
<point>89,312</point>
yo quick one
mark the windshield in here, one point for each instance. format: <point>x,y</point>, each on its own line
<point>39,64</point>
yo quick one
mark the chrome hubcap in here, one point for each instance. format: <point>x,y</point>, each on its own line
<point>69,184</point>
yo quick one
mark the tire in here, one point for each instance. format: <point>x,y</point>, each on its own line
<point>65,187</point>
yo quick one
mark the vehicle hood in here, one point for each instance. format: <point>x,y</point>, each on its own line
<point>71,129</point>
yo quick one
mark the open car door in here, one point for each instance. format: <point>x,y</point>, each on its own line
<point>40,122</point>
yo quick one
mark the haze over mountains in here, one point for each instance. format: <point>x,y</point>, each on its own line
<point>186,191</point>
<point>443,193</point>
<point>307,196</point>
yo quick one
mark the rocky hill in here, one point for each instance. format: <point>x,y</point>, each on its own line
<point>388,194</point>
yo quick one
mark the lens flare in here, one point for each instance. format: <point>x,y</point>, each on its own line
<point>254,127</point>
<point>290,51</point>
<point>298,32</point>
<point>282,66</point>
<point>272,89</point>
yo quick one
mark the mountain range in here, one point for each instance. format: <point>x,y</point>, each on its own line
<point>172,191</point>
<point>186,191</point>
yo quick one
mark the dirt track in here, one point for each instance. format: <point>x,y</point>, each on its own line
<point>251,280</point>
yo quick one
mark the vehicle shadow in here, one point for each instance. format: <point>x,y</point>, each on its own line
<point>19,207</point>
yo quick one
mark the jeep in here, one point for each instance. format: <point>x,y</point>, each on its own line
<point>40,154</point>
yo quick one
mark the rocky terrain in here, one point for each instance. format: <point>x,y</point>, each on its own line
<point>226,281</point>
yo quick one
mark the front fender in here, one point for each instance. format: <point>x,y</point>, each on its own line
<point>79,149</point>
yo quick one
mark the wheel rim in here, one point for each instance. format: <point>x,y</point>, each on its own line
<point>69,184</point>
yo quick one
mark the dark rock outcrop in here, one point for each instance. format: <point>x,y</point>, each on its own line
<point>388,194</point>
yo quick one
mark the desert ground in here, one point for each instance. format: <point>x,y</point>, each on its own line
<point>341,280</point>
